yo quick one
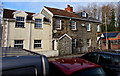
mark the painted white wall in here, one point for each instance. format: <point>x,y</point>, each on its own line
<point>43,34</point>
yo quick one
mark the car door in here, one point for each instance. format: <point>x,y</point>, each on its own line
<point>116,64</point>
<point>105,60</point>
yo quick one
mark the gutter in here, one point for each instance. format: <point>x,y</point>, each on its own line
<point>78,18</point>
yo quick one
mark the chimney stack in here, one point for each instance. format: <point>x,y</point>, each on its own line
<point>69,8</point>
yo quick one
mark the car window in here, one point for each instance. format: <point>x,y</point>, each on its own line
<point>90,72</point>
<point>92,57</point>
<point>105,59</point>
<point>116,60</point>
<point>24,71</point>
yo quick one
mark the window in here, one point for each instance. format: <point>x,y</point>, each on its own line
<point>105,59</point>
<point>88,27</point>
<point>38,23</point>
<point>90,72</point>
<point>73,25</point>
<point>37,44</point>
<point>92,57</point>
<point>58,24</point>
<point>83,14</point>
<point>116,60</point>
<point>89,42</point>
<point>22,71</point>
<point>20,22</point>
<point>98,28</point>
<point>74,41</point>
<point>18,43</point>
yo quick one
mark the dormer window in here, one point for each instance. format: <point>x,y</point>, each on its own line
<point>20,21</point>
<point>73,25</point>
<point>58,24</point>
<point>38,23</point>
<point>84,14</point>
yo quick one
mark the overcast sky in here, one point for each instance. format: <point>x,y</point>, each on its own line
<point>37,5</point>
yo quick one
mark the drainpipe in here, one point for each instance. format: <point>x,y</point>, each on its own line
<point>30,35</point>
<point>8,32</point>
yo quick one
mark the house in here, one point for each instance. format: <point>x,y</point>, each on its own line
<point>109,40</point>
<point>71,32</point>
<point>26,30</point>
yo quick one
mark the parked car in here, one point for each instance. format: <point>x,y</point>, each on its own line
<point>20,62</point>
<point>109,61</point>
<point>74,67</point>
<point>25,66</point>
<point>115,51</point>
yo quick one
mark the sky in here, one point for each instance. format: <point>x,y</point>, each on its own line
<point>36,5</point>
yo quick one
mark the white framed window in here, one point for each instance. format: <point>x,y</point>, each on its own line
<point>37,44</point>
<point>88,26</point>
<point>38,23</point>
<point>20,22</point>
<point>73,25</point>
<point>58,24</point>
<point>98,28</point>
<point>84,14</point>
<point>18,43</point>
<point>89,42</point>
<point>74,42</point>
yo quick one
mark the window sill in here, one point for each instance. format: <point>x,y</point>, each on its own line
<point>38,48</point>
<point>88,30</point>
<point>58,29</point>
<point>19,27</point>
<point>38,28</point>
<point>98,31</point>
<point>74,29</point>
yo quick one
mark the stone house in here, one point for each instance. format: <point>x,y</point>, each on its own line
<point>26,30</point>
<point>71,32</point>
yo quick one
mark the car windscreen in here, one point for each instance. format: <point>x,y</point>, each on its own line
<point>90,72</point>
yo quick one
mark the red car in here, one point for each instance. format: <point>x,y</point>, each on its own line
<point>74,67</point>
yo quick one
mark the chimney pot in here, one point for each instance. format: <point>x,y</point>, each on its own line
<point>69,8</point>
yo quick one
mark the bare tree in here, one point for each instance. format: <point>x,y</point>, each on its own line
<point>92,9</point>
<point>118,16</point>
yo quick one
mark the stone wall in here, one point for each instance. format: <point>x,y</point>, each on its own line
<point>65,46</point>
<point>81,34</point>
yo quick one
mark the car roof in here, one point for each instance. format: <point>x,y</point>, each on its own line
<point>103,52</point>
<point>19,61</point>
<point>71,65</point>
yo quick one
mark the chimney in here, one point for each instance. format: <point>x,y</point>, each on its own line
<point>69,8</point>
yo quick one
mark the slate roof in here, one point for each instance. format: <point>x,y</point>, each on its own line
<point>64,13</point>
<point>109,34</point>
<point>60,12</point>
<point>8,13</point>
